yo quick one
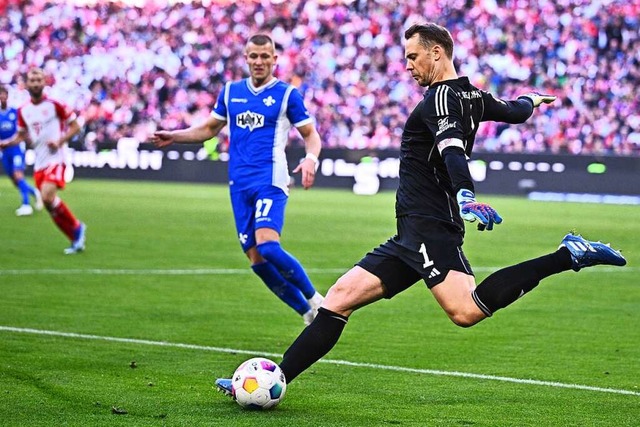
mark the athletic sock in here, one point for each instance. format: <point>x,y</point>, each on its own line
<point>508,284</point>
<point>289,267</point>
<point>64,219</point>
<point>25,191</point>
<point>288,293</point>
<point>315,341</point>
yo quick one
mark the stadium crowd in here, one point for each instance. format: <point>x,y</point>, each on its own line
<point>132,69</point>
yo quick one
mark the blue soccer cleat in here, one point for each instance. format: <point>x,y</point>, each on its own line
<point>586,254</point>
<point>224,386</point>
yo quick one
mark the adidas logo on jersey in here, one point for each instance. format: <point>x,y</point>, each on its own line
<point>250,120</point>
<point>434,273</point>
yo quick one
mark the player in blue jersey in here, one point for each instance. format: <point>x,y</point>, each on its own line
<point>13,156</point>
<point>259,111</point>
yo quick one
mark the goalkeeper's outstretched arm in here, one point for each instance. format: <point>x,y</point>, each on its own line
<point>515,111</point>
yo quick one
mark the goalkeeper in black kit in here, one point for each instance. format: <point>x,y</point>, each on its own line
<point>434,197</point>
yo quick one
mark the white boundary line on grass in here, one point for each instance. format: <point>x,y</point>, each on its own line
<point>331,361</point>
<point>224,271</point>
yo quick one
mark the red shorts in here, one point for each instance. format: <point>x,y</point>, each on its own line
<point>52,173</point>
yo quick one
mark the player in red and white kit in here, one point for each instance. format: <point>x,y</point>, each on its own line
<point>48,125</point>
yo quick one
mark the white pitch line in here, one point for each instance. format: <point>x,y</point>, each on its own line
<point>145,272</point>
<point>226,271</point>
<point>330,361</point>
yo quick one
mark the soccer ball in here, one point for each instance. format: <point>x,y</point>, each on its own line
<point>258,383</point>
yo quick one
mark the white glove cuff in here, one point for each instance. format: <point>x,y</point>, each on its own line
<point>465,195</point>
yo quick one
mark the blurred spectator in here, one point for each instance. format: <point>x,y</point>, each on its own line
<point>129,67</point>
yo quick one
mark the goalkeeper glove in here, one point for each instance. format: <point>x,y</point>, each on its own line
<point>470,210</point>
<point>537,98</point>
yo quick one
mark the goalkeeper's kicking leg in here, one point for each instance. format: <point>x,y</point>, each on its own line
<point>457,294</point>
<point>389,270</point>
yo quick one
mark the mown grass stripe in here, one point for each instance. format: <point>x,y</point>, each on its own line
<point>330,361</point>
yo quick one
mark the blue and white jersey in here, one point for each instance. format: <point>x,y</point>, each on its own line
<point>259,121</point>
<point>8,128</point>
<point>8,123</point>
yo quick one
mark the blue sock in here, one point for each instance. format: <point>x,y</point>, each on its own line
<point>288,266</point>
<point>279,286</point>
<point>25,191</point>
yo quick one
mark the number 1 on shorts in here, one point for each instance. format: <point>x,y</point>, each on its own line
<point>427,261</point>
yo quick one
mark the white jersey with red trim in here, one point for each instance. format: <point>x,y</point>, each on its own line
<point>45,122</point>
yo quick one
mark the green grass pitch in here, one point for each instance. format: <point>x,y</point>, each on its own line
<point>134,331</point>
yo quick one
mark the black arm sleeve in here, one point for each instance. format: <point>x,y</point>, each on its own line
<point>458,169</point>
<point>498,110</point>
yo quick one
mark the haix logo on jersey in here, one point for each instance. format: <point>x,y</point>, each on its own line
<point>250,120</point>
<point>241,100</point>
<point>443,124</point>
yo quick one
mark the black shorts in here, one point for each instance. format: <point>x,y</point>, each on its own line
<point>423,248</point>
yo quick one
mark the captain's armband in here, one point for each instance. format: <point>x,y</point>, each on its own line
<point>450,142</point>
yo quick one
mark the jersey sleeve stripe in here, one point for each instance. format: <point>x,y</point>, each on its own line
<point>227,91</point>
<point>303,122</point>
<point>442,109</point>
<point>285,101</point>
<point>219,117</point>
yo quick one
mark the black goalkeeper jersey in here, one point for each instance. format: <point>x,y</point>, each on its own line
<point>444,124</point>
